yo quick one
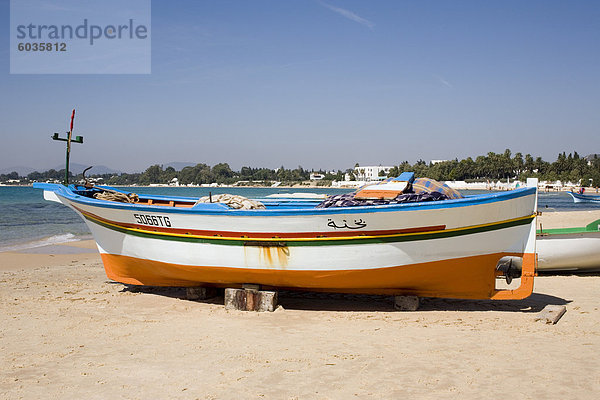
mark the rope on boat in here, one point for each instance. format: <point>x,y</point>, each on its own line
<point>113,195</point>
<point>109,194</point>
<point>233,201</point>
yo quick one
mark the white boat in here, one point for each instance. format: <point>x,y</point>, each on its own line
<point>569,249</point>
<point>447,248</point>
<point>584,198</point>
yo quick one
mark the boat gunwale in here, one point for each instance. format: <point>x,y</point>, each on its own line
<point>68,194</point>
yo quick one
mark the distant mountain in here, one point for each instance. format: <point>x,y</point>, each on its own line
<point>22,171</point>
<point>178,165</point>
<point>590,157</point>
<point>78,168</point>
<point>96,169</point>
<point>74,168</point>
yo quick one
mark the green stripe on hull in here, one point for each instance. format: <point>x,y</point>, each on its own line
<point>319,242</point>
<point>592,227</point>
<point>562,231</point>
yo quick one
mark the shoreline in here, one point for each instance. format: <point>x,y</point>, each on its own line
<point>75,252</point>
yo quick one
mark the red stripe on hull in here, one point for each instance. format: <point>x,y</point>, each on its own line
<point>266,235</point>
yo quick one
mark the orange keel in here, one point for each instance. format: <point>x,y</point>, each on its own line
<point>468,277</point>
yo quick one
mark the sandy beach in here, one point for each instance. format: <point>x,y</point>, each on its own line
<point>66,331</point>
<point>566,219</point>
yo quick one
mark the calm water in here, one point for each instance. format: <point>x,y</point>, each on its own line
<point>27,220</point>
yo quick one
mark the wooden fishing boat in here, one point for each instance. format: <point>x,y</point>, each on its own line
<point>584,198</point>
<point>569,249</point>
<point>447,248</point>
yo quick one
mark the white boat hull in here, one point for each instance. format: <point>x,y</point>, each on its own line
<point>437,249</point>
<point>569,252</point>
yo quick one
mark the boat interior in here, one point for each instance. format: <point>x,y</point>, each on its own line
<point>192,202</point>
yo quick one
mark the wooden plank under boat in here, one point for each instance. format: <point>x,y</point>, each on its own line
<point>447,248</point>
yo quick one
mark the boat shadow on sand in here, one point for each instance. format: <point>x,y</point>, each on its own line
<point>318,301</point>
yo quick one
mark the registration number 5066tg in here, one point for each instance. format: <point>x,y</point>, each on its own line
<point>153,220</point>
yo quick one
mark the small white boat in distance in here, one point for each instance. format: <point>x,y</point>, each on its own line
<point>584,198</point>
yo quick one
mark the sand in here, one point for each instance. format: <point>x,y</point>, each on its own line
<point>66,331</point>
<point>567,219</point>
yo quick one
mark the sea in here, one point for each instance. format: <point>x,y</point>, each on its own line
<point>28,221</point>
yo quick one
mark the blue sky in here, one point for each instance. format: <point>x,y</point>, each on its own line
<point>324,84</point>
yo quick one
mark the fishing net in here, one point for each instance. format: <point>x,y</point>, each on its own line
<point>233,201</point>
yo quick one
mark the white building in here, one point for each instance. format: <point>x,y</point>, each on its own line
<point>316,177</point>
<point>590,158</point>
<point>371,173</point>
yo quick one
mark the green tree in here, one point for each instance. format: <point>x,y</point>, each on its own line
<point>151,175</point>
<point>518,164</point>
<point>222,173</point>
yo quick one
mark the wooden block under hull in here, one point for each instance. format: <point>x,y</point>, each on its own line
<point>250,300</point>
